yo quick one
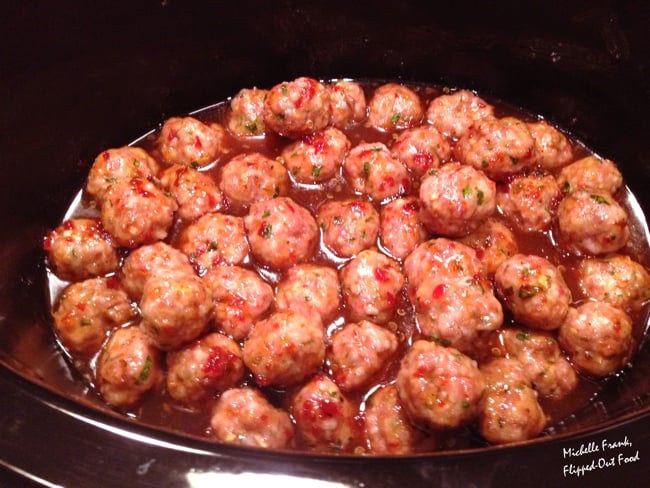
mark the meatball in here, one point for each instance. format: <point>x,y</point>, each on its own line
<point>534,291</point>
<point>455,113</point>
<point>439,387</point>
<point>190,142</point>
<point>394,106</point>
<point>348,102</point>
<point>245,417</point>
<point>175,309</point>
<point>530,201</point>
<point>308,288</point>
<point>79,249</point>
<point>122,163</point>
<point>158,258</point>
<point>296,108</point>
<point>498,147</point>
<point>349,226</point>
<point>454,313</point>
<point>510,412</point>
<point>285,349</point>
<point>552,148</point>
<point>87,310</point>
<point>401,229</point>
<point>325,418</point>
<point>240,298</point>
<point>456,199</point>
<point>598,338</point>
<point>590,173</point>
<point>251,177</point>
<point>493,243</point>
<point>246,115</point>
<point>214,240</point>
<point>371,283</point>
<point>591,223</point>
<point>421,149</point>
<point>370,169</point>
<point>316,157</point>
<point>204,367</point>
<point>281,233</point>
<point>128,367</point>
<point>358,351</point>
<point>617,280</point>
<point>388,429</point>
<point>136,212</point>
<point>196,193</point>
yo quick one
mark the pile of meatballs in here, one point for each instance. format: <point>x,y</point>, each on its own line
<point>347,267</point>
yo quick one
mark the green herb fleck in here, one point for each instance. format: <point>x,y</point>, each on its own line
<point>315,170</point>
<point>395,118</point>
<point>529,291</point>
<point>366,167</point>
<point>85,322</point>
<point>480,197</point>
<point>523,336</point>
<point>146,369</point>
<point>267,230</point>
<point>599,199</point>
<point>467,192</point>
<point>266,214</point>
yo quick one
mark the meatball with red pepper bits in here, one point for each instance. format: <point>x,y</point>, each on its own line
<point>453,114</point>
<point>190,142</point>
<point>400,228</point>
<point>590,173</point>
<point>493,242</point>
<point>348,102</point>
<point>246,115</point>
<point>252,177</point>
<point>421,149</point>
<point>296,108</point>
<point>196,193</point>
<point>552,148</point>
<point>204,367</point>
<point>394,106</point>
<point>598,338</point>
<point>439,387</point>
<point>79,249</point>
<point>349,226</point>
<point>325,418</point>
<point>244,416</point>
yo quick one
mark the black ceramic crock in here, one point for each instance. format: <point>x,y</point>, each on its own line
<point>78,77</point>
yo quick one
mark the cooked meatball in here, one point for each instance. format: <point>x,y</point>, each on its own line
<point>598,338</point>
<point>251,177</point>
<point>493,243</point>
<point>87,310</point>
<point>136,212</point>
<point>421,149</point>
<point>456,199</point>
<point>394,106</point>
<point>498,147</point>
<point>129,366</point>
<point>296,108</point>
<point>439,387</point>
<point>285,349</point>
<point>175,309</point>
<point>79,249</point>
<point>590,173</point>
<point>245,417</point>
<point>122,163</point>
<point>371,283</point>
<point>349,226</point>
<point>190,142</point>
<point>455,312</point>
<point>316,157</point>
<point>591,223</point>
<point>370,169</point>
<point>388,429</point>
<point>204,367</point>
<point>158,258</point>
<point>325,418</point>
<point>443,259</point>
<point>307,288</point>
<point>401,229</point>
<point>214,240</point>
<point>510,412</point>
<point>552,148</point>
<point>246,115</point>
<point>348,103</point>
<point>358,351</point>
<point>549,372</point>
<point>534,291</point>
<point>240,298</point>
<point>618,280</point>
<point>454,114</point>
<point>530,201</point>
<point>195,192</point>
<point>281,233</point>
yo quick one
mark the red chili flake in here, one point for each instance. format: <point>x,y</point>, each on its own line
<point>480,252</point>
<point>172,135</point>
<point>328,407</point>
<point>439,290</point>
<point>68,225</point>
<point>218,362</point>
<point>106,155</point>
<point>410,207</point>
<point>81,306</point>
<point>138,186</point>
<point>381,274</point>
<point>391,298</point>
<point>290,207</point>
<point>197,143</point>
<point>617,328</point>
<point>307,92</point>
<point>113,282</point>
<point>48,241</point>
<point>425,160</point>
